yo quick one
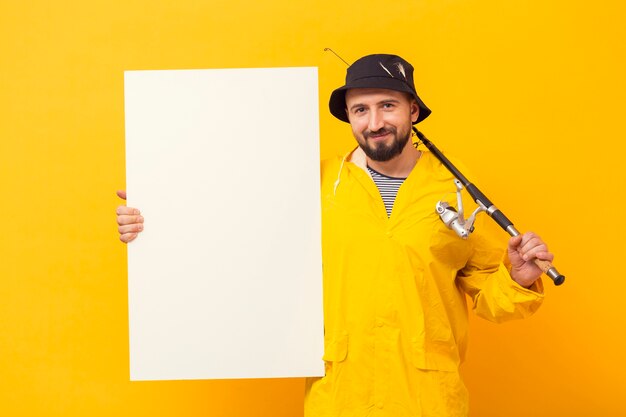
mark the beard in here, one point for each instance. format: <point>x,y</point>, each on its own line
<point>383,152</point>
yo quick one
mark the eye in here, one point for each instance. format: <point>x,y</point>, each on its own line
<point>359,109</point>
<point>388,105</point>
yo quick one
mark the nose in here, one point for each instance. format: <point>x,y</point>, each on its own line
<point>375,121</point>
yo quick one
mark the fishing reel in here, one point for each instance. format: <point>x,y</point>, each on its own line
<point>453,218</point>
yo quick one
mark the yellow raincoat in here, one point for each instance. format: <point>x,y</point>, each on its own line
<point>395,312</point>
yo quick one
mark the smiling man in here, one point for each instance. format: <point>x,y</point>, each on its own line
<point>395,277</point>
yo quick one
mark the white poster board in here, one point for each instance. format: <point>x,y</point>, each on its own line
<point>225,281</point>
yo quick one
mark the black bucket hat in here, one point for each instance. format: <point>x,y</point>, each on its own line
<point>377,71</point>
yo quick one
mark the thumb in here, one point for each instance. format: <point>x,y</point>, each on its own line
<point>121,194</point>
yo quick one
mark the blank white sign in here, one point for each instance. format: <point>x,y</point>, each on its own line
<point>225,281</point>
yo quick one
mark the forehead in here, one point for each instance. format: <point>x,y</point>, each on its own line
<point>373,95</point>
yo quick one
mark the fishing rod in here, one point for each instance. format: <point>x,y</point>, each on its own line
<point>454,218</point>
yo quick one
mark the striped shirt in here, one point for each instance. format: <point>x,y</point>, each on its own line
<point>388,188</point>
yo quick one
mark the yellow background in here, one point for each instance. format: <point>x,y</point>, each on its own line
<point>529,94</point>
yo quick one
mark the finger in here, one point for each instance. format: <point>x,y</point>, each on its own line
<point>528,237</point>
<point>532,253</point>
<point>121,194</point>
<point>545,256</point>
<point>532,248</point>
<point>514,242</point>
<point>529,240</point>
<point>532,244</point>
<point>123,210</point>
<point>125,219</point>
<point>128,237</point>
<point>130,228</point>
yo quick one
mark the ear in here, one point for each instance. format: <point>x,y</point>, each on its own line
<point>415,111</point>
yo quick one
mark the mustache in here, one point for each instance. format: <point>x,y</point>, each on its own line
<point>379,132</point>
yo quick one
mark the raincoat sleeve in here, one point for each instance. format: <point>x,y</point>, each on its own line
<point>486,279</point>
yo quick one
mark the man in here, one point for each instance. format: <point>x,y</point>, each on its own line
<point>395,278</point>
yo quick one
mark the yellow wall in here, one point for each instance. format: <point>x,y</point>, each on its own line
<point>528,93</point>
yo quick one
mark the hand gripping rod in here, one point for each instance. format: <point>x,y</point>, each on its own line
<point>489,207</point>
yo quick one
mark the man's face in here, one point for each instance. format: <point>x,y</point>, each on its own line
<point>381,120</point>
